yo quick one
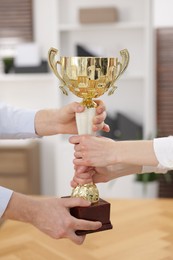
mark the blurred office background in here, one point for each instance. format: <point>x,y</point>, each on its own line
<point>141,107</point>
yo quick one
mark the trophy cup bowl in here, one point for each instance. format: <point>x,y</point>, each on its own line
<point>88,78</point>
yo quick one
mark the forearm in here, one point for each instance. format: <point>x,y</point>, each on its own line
<point>135,152</point>
<point>120,170</point>
<point>21,208</point>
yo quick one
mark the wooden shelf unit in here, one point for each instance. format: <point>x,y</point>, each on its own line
<point>20,168</point>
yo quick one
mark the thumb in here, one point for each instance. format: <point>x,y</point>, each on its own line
<point>76,202</point>
<point>76,107</point>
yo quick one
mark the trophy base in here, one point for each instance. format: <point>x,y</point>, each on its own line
<point>99,211</point>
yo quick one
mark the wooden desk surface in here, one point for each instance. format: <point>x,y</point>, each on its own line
<point>143,230</point>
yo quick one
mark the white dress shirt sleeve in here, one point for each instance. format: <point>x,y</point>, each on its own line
<point>16,123</point>
<point>163,148</point>
<point>5,195</point>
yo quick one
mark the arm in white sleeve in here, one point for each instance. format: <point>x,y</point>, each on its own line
<point>16,123</point>
<point>163,148</point>
<point>5,195</point>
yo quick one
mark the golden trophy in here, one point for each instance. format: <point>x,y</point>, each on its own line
<point>88,78</point>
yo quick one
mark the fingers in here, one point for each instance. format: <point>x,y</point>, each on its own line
<point>74,139</point>
<point>82,176</point>
<point>98,121</point>
<point>78,224</point>
<point>78,107</point>
<point>82,169</point>
<point>100,106</point>
<point>81,162</point>
<point>73,183</point>
<point>86,175</point>
<point>77,149</point>
<point>81,180</point>
<point>81,224</point>
<point>106,128</point>
<point>77,154</point>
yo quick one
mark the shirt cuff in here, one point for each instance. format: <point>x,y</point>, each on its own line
<point>5,195</point>
<point>163,148</point>
<point>157,169</point>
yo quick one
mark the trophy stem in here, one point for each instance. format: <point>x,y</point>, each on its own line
<point>84,125</point>
<point>89,103</point>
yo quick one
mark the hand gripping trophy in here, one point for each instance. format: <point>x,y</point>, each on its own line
<point>88,78</point>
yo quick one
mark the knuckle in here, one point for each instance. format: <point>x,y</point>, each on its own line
<point>83,155</point>
<point>68,224</point>
<point>61,233</point>
<point>88,162</point>
<point>84,139</point>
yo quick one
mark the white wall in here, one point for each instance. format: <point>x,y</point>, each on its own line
<point>163,16</point>
<point>44,24</point>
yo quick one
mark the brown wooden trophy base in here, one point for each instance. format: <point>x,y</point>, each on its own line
<point>99,211</point>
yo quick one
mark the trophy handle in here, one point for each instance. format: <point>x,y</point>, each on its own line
<point>53,65</point>
<point>122,67</point>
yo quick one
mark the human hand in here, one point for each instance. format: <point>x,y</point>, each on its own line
<point>67,120</point>
<point>50,215</point>
<point>63,121</point>
<point>93,151</point>
<point>54,219</point>
<point>84,174</point>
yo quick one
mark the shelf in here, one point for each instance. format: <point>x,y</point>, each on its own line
<point>26,77</point>
<point>114,26</point>
<point>13,142</point>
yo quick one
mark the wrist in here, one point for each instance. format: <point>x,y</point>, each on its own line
<point>116,153</point>
<point>45,122</point>
<point>138,152</point>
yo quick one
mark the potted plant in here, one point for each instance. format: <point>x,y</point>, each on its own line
<point>146,185</point>
<point>166,185</point>
<point>153,185</point>
<point>8,64</point>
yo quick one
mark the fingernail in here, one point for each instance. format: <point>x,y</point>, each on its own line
<point>79,108</point>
